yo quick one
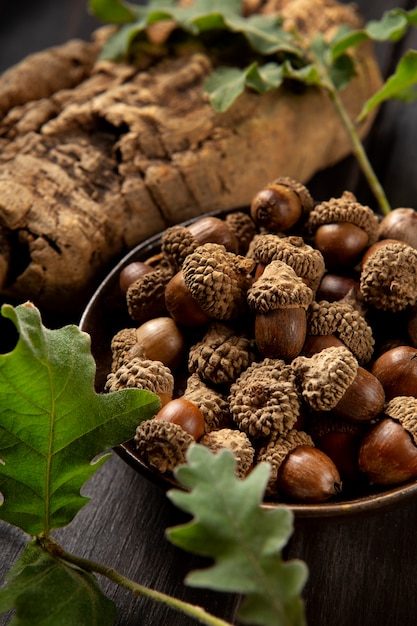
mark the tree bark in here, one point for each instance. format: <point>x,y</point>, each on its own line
<point>98,158</point>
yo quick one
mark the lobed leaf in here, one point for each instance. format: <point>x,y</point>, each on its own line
<point>226,84</point>
<point>401,85</point>
<point>391,27</point>
<point>44,590</point>
<point>243,539</point>
<point>53,423</point>
<point>113,11</point>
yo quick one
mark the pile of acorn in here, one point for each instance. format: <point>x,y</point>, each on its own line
<point>288,334</point>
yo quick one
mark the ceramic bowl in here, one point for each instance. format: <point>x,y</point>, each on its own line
<point>106,313</point>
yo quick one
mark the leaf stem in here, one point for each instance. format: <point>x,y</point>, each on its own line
<point>359,152</point>
<point>137,589</point>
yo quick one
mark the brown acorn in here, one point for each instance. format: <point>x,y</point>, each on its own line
<point>280,299</point>
<point>309,475</point>
<point>388,455</point>
<point>396,369</point>
<point>280,205</point>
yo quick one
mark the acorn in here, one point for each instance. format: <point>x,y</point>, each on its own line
<point>178,241</point>
<point>396,369</point>
<point>141,373</point>
<point>181,305</point>
<point>401,224</point>
<point>340,440</point>
<point>237,442</point>
<point>342,229</point>
<point>388,453</point>
<point>185,414</point>
<point>299,470</point>
<point>161,339</point>
<point>280,300</point>
<point>280,205</point>
<point>309,475</point>
<point>332,380</point>
<point>131,272</point>
<point>335,287</point>
<point>211,229</point>
<point>388,279</point>
<point>341,244</point>
<point>317,343</point>
<point>341,318</point>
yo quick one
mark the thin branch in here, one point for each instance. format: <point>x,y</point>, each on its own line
<point>110,573</point>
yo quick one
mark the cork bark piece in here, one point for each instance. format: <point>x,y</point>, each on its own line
<point>95,162</point>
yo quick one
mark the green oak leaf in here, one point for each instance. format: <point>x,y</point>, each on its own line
<point>400,85</point>
<point>391,27</point>
<point>244,539</point>
<point>226,84</point>
<point>42,589</point>
<point>113,11</point>
<point>53,424</point>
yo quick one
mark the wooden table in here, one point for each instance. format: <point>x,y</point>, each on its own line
<point>362,569</point>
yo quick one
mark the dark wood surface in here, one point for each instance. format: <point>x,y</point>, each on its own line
<point>362,569</point>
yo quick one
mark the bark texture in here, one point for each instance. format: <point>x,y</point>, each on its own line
<point>97,156</point>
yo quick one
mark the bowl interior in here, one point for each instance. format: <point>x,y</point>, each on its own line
<point>106,313</point>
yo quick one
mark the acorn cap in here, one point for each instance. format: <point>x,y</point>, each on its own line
<point>121,345</point>
<point>325,377</point>
<point>388,279</point>
<point>145,297</point>
<point>307,262</point>
<point>221,355</point>
<point>218,280</point>
<point>244,228</point>
<point>162,445</point>
<point>265,398</point>
<point>344,209</point>
<point>343,320</point>
<point>404,410</point>
<point>213,404</point>
<point>276,451</point>
<point>142,374</point>
<point>237,442</point>
<point>279,287</point>
<point>176,244</point>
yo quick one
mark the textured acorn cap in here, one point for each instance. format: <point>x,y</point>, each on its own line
<point>276,450</point>
<point>278,287</point>
<point>176,244</point>
<point>221,355</point>
<point>142,373</point>
<point>237,442</point>
<point>121,347</point>
<point>145,297</point>
<point>162,445</point>
<point>218,280</point>
<point>325,377</point>
<point>265,398</point>
<point>213,404</point>
<point>307,262</point>
<point>244,228</point>
<point>404,410</point>
<point>344,209</point>
<point>343,320</point>
<point>388,279</point>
